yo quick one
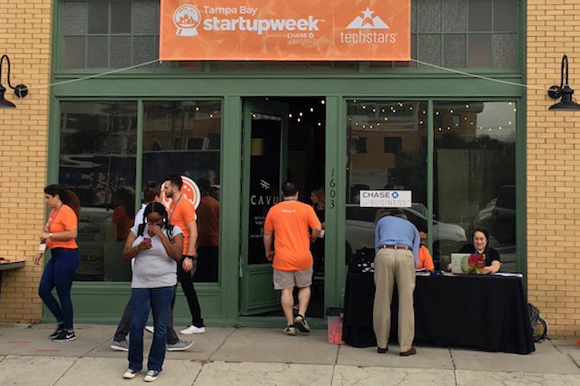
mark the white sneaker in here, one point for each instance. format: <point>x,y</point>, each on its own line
<point>150,329</point>
<point>192,330</point>
<point>130,374</point>
<point>151,376</point>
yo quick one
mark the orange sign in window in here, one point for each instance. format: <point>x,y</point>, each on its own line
<point>285,30</point>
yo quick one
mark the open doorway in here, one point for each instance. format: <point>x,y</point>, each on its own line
<point>284,139</point>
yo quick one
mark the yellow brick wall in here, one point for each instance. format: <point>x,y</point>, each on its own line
<point>25,35</point>
<point>553,167</point>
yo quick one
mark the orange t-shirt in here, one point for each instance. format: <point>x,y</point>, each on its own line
<point>61,220</point>
<point>208,222</point>
<point>180,214</point>
<point>290,220</point>
<point>425,259</point>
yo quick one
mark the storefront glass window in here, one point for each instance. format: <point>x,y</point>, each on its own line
<point>474,171</point>
<point>97,162</point>
<point>185,138</point>
<point>387,150</point>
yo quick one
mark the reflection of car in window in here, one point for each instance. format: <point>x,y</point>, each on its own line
<point>360,229</point>
<point>499,215</point>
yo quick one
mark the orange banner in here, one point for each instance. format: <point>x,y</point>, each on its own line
<point>285,30</point>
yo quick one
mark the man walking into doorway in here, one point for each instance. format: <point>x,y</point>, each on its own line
<point>290,221</point>
<point>397,244</point>
<point>182,214</point>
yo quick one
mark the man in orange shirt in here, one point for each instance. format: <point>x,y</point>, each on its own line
<point>182,213</point>
<point>208,241</point>
<point>290,220</point>
<point>425,259</point>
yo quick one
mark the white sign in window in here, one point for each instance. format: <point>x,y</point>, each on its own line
<point>385,198</point>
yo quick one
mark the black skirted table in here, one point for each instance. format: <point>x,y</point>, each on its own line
<point>477,311</point>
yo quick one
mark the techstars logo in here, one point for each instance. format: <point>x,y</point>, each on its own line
<point>368,22</point>
<point>365,23</point>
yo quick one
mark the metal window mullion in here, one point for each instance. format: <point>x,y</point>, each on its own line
<point>430,172</point>
<point>109,33</point>
<point>492,34</point>
<point>442,38</point>
<point>139,154</point>
<point>87,37</point>
<point>467,34</point>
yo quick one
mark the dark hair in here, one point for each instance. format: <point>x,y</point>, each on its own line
<point>319,192</point>
<point>289,189</point>
<point>485,233</point>
<point>175,180</point>
<point>68,197</point>
<point>126,198</point>
<point>151,190</point>
<point>155,207</point>
<point>204,186</point>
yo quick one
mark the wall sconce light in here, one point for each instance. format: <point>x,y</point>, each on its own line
<point>563,91</point>
<point>20,90</point>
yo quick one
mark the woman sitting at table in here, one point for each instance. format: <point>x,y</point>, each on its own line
<point>480,239</point>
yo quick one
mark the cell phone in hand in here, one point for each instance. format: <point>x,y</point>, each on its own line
<point>147,240</point>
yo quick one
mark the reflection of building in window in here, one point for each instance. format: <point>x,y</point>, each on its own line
<point>393,144</point>
<point>358,145</point>
<point>197,143</point>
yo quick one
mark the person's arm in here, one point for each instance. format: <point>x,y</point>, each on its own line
<point>129,251</point>
<point>314,235</point>
<point>416,245</point>
<point>495,263</point>
<point>173,250</point>
<point>192,227</point>
<point>268,244</point>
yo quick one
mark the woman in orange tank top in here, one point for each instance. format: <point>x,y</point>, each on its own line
<point>59,237</point>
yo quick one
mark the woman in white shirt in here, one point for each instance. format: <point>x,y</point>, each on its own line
<point>156,246</point>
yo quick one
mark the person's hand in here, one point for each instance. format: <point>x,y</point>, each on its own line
<point>270,255</point>
<point>37,258</point>
<point>44,236</point>
<point>187,264</point>
<point>487,270</point>
<point>156,230</point>
<point>143,245</point>
<point>449,266</point>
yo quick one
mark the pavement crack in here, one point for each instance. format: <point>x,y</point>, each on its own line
<point>454,367</point>
<point>334,367</point>
<point>221,345</point>
<point>65,372</point>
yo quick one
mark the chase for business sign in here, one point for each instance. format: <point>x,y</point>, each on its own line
<point>385,198</point>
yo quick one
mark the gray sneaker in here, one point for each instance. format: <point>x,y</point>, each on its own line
<point>180,345</point>
<point>121,345</point>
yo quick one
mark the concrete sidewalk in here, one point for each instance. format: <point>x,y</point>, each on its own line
<point>248,356</point>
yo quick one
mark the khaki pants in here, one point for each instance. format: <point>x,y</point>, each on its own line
<point>394,265</point>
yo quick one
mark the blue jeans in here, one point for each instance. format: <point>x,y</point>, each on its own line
<point>158,300</point>
<point>60,272</point>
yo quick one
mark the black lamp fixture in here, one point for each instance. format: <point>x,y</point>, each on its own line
<point>20,90</point>
<point>563,91</point>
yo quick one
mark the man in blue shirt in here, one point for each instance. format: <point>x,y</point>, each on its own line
<point>397,244</point>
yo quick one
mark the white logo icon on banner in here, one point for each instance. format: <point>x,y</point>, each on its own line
<point>368,22</point>
<point>186,18</point>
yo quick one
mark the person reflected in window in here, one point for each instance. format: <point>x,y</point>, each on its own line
<point>208,228</point>
<point>124,213</point>
<point>480,245</point>
<point>317,248</point>
<point>425,259</point>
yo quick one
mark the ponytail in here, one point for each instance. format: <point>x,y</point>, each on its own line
<point>68,197</point>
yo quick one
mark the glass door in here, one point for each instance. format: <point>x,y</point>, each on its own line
<point>265,133</point>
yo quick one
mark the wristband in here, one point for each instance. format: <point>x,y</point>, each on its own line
<point>50,235</point>
<point>191,257</point>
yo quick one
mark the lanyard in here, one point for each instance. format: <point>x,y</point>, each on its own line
<point>174,207</point>
<point>51,219</point>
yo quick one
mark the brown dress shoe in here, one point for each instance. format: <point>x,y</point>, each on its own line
<point>382,350</point>
<point>409,352</point>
